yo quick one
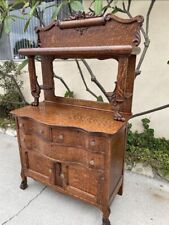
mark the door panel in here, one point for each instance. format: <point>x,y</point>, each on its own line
<point>83,182</point>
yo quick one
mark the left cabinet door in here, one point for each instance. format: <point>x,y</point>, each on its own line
<point>38,167</point>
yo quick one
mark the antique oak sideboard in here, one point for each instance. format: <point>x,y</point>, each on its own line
<point>77,146</point>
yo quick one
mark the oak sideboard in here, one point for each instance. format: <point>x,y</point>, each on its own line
<point>75,146</point>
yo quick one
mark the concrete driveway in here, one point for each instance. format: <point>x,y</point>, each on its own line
<point>145,200</point>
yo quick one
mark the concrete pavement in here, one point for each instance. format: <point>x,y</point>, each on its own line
<point>145,200</point>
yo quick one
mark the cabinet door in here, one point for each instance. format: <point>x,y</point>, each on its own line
<point>38,167</point>
<point>84,183</point>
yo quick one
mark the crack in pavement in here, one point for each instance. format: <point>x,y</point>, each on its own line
<point>36,196</point>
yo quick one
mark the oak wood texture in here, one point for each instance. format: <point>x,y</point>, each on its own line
<point>100,52</point>
<point>76,146</point>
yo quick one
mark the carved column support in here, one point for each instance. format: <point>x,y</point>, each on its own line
<point>119,94</point>
<point>48,77</point>
<point>35,88</point>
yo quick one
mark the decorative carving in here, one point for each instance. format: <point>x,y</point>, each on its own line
<point>81,15</point>
<point>35,88</point>
<point>139,19</point>
<point>110,16</point>
<point>81,30</point>
<point>36,94</point>
<point>120,94</point>
<point>117,97</point>
<point>137,39</point>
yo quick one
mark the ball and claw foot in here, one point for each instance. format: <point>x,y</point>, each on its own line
<point>23,185</point>
<point>106,222</point>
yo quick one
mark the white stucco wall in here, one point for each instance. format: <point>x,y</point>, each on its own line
<point>151,87</point>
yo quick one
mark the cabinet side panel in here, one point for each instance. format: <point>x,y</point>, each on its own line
<point>117,159</point>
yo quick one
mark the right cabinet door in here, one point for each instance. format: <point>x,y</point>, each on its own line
<point>85,183</point>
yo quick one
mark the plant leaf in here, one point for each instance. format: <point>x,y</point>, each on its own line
<point>56,11</point>
<point>33,9</point>
<point>76,6</point>
<point>69,94</point>
<point>117,9</point>
<point>18,2</point>
<point>98,6</point>
<point>31,13</point>
<point>7,24</point>
<point>100,99</point>
<point>27,24</point>
<point>16,17</point>
<point>22,65</point>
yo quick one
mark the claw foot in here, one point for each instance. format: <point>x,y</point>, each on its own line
<point>106,222</point>
<point>23,185</point>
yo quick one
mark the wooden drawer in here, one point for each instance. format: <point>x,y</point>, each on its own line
<point>28,126</point>
<point>69,136</point>
<point>62,153</point>
<point>77,156</point>
<point>77,138</point>
<point>34,143</point>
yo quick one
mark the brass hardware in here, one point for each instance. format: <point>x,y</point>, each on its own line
<point>61,137</point>
<point>41,132</point>
<point>62,176</point>
<point>93,143</point>
<point>50,170</point>
<point>91,162</point>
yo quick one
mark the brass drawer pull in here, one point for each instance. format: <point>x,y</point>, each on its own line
<point>91,162</point>
<point>61,137</point>
<point>93,143</point>
<point>62,176</point>
<point>41,132</point>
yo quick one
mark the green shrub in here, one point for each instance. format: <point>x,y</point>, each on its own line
<point>11,84</point>
<point>144,147</point>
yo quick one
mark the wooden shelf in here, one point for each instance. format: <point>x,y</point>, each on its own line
<point>82,52</point>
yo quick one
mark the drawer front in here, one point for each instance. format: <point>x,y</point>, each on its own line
<point>77,138</point>
<point>28,126</point>
<point>68,136</point>
<point>34,143</point>
<point>64,136</point>
<point>62,153</point>
<point>77,155</point>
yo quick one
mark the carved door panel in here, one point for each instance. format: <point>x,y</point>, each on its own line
<point>83,182</point>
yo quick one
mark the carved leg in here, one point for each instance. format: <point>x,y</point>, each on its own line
<point>106,214</point>
<point>106,222</point>
<point>23,184</point>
